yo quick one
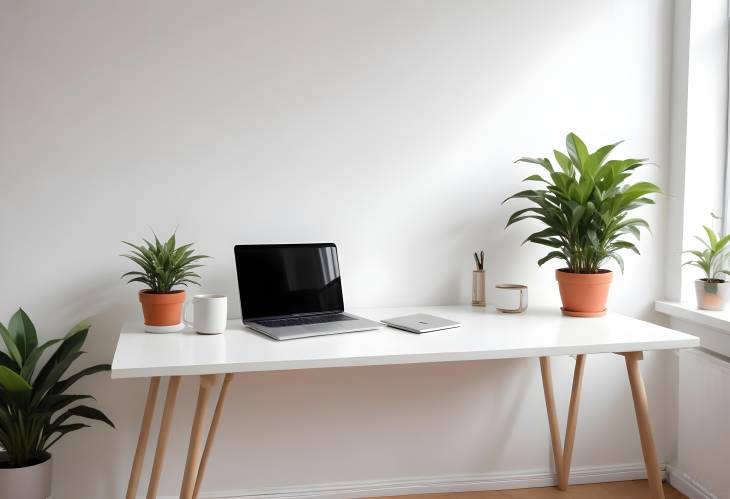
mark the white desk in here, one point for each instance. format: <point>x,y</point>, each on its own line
<point>485,334</point>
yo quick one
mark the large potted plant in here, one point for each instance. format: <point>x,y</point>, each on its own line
<point>584,206</point>
<point>712,290</point>
<point>35,410</point>
<point>163,267</point>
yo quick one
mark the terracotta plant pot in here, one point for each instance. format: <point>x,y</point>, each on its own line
<point>28,482</point>
<point>584,295</point>
<point>162,311</point>
<point>712,295</point>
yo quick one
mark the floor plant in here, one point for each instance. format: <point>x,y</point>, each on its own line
<point>36,410</point>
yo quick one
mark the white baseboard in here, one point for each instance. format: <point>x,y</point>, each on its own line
<point>425,485</point>
<point>687,485</point>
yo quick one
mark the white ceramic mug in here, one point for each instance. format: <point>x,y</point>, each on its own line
<point>510,298</point>
<point>210,313</point>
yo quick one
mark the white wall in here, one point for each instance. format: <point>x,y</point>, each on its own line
<point>387,127</point>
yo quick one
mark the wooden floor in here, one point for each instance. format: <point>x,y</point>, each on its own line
<point>637,489</point>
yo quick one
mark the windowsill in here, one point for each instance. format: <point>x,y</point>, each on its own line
<point>690,312</point>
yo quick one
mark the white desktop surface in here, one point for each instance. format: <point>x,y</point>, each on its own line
<point>484,334</point>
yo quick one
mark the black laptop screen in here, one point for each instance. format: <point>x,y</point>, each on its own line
<point>279,280</point>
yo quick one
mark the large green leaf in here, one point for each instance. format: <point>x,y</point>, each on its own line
<point>722,243</point>
<point>544,162</point>
<point>52,403</point>
<point>72,343</point>
<point>711,236</point>
<point>577,150</point>
<point>34,356</point>
<point>10,345</point>
<point>89,413</point>
<point>23,332</point>
<point>12,381</point>
<point>65,384</point>
<point>46,379</point>
<point>563,161</point>
<point>7,361</point>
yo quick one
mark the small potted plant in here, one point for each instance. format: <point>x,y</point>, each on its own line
<point>712,290</point>
<point>584,205</point>
<point>163,267</point>
<point>35,410</point>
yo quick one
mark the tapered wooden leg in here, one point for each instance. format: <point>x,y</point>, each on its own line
<point>144,433</point>
<point>641,407</point>
<point>212,433</point>
<point>196,436</point>
<point>572,421</point>
<point>165,424</point>
<point>547,386</point>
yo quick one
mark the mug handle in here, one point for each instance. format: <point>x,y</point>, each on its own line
<point>523,300</point>
<point>185,313</point>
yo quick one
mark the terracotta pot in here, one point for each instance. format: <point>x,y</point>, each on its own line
<point>712,295</point>
<point>584,295</point>
<point>28,482</point>
<point>162,309</point>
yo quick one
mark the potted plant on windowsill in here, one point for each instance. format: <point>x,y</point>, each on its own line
<point>712,290</point>
<point>584,207</point>
<point>163,267</point>
<point>34,408</point>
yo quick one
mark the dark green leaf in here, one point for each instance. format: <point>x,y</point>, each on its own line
<point>550,256</point>
<point>90,413</point>
<point>10,345</point>
<point>577,150</point>
<point>65,384</point>
<point>23,332</point>
<point>32,359</point>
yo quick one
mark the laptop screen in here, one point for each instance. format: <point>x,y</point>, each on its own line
<point>286,279</point>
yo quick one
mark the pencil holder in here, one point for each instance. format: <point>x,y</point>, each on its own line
<point>478,298</point>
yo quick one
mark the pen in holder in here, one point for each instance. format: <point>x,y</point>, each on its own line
<point>478,297</point>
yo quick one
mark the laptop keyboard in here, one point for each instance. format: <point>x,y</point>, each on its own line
<point>300,321</point>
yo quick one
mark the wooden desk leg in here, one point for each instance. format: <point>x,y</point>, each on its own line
<point>572,420</point>
<point>212,433</point>
<point>144,433</point>
<point>547,386</point>
<point>167,412</point>
<point>196,436</point>
<point>638,391</point>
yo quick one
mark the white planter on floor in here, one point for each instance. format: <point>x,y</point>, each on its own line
<point>29,482</point>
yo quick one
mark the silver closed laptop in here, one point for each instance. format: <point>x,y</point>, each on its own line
<point>294,291</point>
<point>420,323</point>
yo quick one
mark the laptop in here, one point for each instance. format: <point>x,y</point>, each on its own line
<point>294,291</point>
<point>420,323</point>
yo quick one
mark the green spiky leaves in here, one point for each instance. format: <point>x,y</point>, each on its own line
<point>163,265</point>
